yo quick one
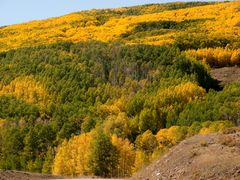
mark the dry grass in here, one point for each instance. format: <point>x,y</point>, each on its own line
<point>204,143</point>
<point>227,141</point>
<point>231,130</point>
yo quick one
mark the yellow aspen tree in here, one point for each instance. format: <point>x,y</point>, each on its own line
<point>126,156</point>
<point>140,159</point>
<point>72,157</point>
<point>235,58</point>
<point>59,161</point>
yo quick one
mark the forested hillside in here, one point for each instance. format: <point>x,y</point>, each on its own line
<point>103,92</point>
<point>189,25</point>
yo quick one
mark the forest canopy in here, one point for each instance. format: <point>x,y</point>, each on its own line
<point>113,92</point>
<point>103,92</point>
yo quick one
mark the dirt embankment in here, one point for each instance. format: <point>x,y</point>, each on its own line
<point>19,175</point>
<point>226,75</point>
<point>215,156</point>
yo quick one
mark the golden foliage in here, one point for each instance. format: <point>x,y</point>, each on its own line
<point>26,88</point>
<point>117,125</point>
<point>184,93</point>
<point>171,136</point>
<point>72,157</point>
<point>126,156</point>
<point>2,122</point>
<point>140,160</point>
<point>113,108</point>
<point>222,20</point>
<point>218,57</point>
<point>212,127</point>
<point>189,91</point>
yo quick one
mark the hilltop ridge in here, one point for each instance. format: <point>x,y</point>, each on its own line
<point>130,25</point>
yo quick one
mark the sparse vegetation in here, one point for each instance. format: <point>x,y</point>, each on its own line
<point>204,143</point>
<point>188,159</point>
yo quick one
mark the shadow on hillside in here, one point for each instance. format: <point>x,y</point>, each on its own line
<point>154,28</point>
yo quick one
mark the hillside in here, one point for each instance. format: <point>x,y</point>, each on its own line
<point>214,156</point>
<point>216,23</point>
<point>104,92</point>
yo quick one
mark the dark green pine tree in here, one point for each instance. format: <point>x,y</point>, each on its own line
<point>103,156</point>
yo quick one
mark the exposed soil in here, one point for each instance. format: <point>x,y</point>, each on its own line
<point>215,156</point>
<point>19,175</point>
<point>226,75</point>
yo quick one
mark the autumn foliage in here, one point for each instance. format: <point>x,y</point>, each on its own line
<point>216,57</point>
<point>211,21</point>
<point>105,92</point>
<point>73,157</point>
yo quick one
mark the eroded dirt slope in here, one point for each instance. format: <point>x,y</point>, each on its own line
<point>215,156</point>
<point>18,175</point>
<point>226,75</point>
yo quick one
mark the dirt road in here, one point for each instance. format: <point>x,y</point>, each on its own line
<point>19,175</point>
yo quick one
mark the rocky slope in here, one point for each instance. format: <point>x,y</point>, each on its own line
<point>214,156</point>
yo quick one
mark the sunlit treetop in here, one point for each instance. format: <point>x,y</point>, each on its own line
<point>149,24</point>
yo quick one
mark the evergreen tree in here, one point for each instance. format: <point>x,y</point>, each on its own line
<point>104,156</point>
